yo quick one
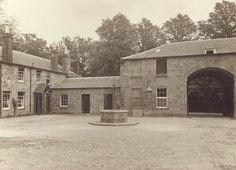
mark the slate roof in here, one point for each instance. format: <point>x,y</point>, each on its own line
<point>188,48</point>
<point>29,60</point>
<point>41,88</point>
<point>89,83</point>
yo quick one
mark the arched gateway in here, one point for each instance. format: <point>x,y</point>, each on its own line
<point>211,90</point>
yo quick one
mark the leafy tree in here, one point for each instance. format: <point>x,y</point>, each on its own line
<point>221,22</point>
<point>80,51</point>
<point>31,44</point>
<point>180,28</point>
<point>148,35</point>
<point>116,41</point>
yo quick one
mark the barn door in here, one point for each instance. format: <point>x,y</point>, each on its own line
<point>85,103</point>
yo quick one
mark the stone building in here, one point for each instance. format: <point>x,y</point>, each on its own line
<point>156,82</point>
<point>152,83</point>
<point>86,95</point>
<point>26,80</point>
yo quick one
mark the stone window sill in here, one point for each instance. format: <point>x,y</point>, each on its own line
<point>162,75</point>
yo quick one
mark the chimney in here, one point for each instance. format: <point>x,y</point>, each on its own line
<point>66,62</point>
<point>54,62</point>
<point>7,51</point>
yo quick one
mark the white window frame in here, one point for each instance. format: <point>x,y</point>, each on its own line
<point>9,100</point>
<point>62,102</point>
<point>21,72</point>
<point>165,98</point>
<point>38,76</point>
<point>22,99</point>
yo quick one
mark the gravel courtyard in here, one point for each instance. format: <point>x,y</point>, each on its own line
<point>70,143</point>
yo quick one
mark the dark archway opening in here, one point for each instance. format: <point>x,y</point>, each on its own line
<point>211,90</point>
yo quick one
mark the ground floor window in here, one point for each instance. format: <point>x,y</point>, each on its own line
<point>161,98</point>
<point>136,98</point>
<point>64,100</point>
<point>21,100</point>
<point>6,99</point>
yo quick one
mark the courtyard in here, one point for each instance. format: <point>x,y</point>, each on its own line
<point>60,142</point>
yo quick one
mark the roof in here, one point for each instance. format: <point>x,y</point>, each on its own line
<point>41,88</point>
<point>89,83</point>
<point>29,60</point>
<point>188,48</point>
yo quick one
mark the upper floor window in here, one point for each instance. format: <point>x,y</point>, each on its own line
<point>48,78</point>
<point>6,96</point>
<point>210,51</point>
<point>161,99</point>
<point>21,100</point>
<point>136,68</point>
<point>21,74</point>
<point>38,76</point>
<point>161,66</point>
<point>64,100</point>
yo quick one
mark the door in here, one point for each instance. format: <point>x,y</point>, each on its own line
<point>85,103</point>
<point>108,101</point>
<point>47,103</point>
<point>38,103</point>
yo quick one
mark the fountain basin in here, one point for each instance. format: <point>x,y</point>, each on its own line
<point>114,116</point>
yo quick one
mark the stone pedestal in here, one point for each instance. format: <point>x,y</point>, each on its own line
<point>114,116</point>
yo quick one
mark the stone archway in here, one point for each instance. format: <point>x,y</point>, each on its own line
<point>211,90</point>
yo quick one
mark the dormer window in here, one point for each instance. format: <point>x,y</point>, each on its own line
<point>210,51</point>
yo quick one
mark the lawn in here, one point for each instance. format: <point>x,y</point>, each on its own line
<point>63,142</point>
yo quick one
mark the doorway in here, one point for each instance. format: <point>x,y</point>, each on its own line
<point>108,102</point>
<point>211,90</point>
<point>85,103</point>
<point>38,103</point>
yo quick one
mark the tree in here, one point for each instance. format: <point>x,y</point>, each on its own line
<point>80,51</point>
<point>180,28</point>
<point>221,22</point>
<point>116,41</point>
<point>31,44</point>
<point>148,35</point>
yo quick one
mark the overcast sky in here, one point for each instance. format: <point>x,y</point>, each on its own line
<point>53,19</point>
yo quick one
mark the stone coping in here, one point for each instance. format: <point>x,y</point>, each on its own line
<point>113,124</point>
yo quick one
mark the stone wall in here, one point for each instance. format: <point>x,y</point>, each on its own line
<point>179,68</point>
<point>10,83</point>
<point>75,100</point>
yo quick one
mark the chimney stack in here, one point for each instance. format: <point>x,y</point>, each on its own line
<point>54,62</point>
<point>66,64</point>
<point>7,51</point>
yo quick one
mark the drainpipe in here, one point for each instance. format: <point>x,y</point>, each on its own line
<point>0,90</point>
<point>30,91</point>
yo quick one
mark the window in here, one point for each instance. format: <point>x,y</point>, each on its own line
<point>161,66</point>
<point>161,100</point>
<point>38,78</point>
<point>136,68</point>
<point>136,100</point>
<point>210,51</point>
<point>6,100</point>
<point>64,100</point>
<point>20,74</point>
<point>21,100</point>
<point>48,78</point>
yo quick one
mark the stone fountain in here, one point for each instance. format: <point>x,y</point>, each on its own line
<point>114,118</point>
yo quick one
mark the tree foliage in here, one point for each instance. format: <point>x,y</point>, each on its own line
<point>116,41</point>
<point>148,36</point>
<point>180,28</point>
<point>221,22</point>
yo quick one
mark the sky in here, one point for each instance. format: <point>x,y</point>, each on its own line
<point>53,19</point>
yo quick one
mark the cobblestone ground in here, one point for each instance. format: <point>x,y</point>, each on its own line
<point>70,143</point>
